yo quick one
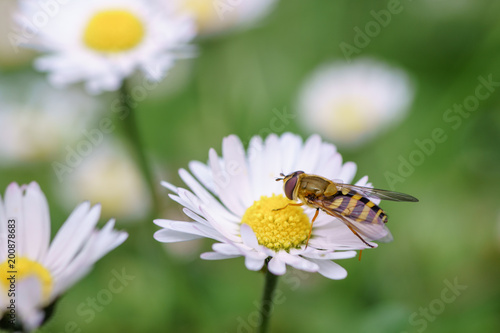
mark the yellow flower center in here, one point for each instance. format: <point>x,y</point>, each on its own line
<point>353,121</point>
<point>281,229</point>
<point>203,10</point>
<point>113,31</point>
<point>25,268</point>
<point>349,115</point>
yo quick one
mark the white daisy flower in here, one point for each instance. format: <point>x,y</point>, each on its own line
<point>45,271</point>
<point>350,103</point>
<point>102,42</point>
<point>39,122</point>
<point>231,200</point>
<point>109,176</point>
<point>214,16</point>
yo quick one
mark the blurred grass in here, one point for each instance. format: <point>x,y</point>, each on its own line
<point>234,84</point>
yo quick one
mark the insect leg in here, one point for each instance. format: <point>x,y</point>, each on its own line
<point>289,204</point>
<point>347,223</point>
<point>356,233</point>
<point>312,221</point>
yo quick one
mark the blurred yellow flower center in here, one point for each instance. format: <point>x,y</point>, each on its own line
<point>25,268</point>
<point>348,119</point>
<point>203,11</point>
<point>277,229</point>
<point>349,116</point>
<point>114,31</point>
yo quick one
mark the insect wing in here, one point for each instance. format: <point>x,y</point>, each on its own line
<point>372,231</point>
<point>378,193</point>
<point>378,232</point>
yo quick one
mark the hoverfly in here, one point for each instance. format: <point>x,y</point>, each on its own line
<point>349,203</point>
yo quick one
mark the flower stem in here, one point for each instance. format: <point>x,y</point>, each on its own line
<point>134,139</point>
<point>267,300</point>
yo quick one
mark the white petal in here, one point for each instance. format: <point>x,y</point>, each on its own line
<point>254,264</point>
<point>164,223</point>
<point>330,269</point>
<point>14,210</point>
<point>216,256</point>
<point>195,187</point>
<point>29,301</point>
<point>171,236</point>
<point>76,269</point>
<point>196,228</point>
<point>235,164</point>
<point>37,227</point>
<point>99,243</point>
<point>272,166</point>
<point>226,249</point>
<point>58,243</point>
<point>362,182</point>
<point>256,166</point>
<point>223,182</point>
<point>203,173</point>
<point>276,266</point>
<point>225,228</point>
<point>107,239</point>
<point>183,202</point>
<point>326,157</point>
<point>330,255</point>
<point>348,172</point>
<point>298,262</point>
<point>310,155</point>
<point>291,144</point>
<point>248,236</point>
<point>264,166</point>
<point>71,237</point>
<point>169,186</point>
<point>201,193</point>
<point>335,166</point>
<point>195,217</point>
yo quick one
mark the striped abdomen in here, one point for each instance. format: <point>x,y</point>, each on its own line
<point>355,206</point>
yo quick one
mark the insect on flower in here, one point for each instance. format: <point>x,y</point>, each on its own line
<point>349,203</point>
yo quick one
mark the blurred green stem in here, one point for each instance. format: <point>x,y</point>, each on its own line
<point>266,306</point>
<point>132,135</point>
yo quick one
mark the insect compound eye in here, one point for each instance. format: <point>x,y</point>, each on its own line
<point>290,186</point>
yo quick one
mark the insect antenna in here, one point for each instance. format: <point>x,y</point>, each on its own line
<point>282,175</point>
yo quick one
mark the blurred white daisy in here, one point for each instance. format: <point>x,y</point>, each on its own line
<point>45,271</point>
<point>37,121</point>
<point>350,103</point>
<point>231,200</point>
<point>101,42</point>
<point>10,53</point>
<point>214,16</point>
<point>109,176</point>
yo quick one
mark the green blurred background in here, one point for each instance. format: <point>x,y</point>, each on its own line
<point>232,87</point>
